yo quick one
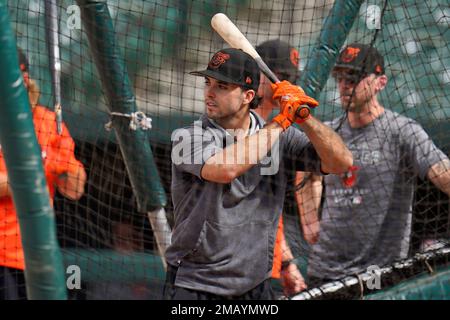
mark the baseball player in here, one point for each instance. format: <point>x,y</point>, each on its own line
<point>226,205</point>
<point>367,212</point>
<point>63,172</point>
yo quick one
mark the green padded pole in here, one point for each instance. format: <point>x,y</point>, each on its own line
<point>110,265</point>
<point>44,273</point>
<point>332,36</point>
<point>135,145</point>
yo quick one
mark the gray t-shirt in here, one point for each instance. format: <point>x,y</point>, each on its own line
<point>223,236</point>
<point>370,222</point>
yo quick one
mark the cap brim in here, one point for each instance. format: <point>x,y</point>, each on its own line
<point>347,66</point>
<point>215,75</point>
<point>338,67</point>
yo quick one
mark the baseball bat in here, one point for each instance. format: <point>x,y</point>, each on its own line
<point>51,29</point>
<point>234,37</point>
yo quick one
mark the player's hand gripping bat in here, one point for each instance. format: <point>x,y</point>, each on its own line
<point>231,34</point>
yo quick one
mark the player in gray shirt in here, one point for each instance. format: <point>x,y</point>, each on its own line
<point>367,213</point>
<point>229,175</point>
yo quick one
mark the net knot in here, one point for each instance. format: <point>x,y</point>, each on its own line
<point>138,119</point>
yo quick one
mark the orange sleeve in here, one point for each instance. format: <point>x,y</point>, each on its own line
<point>67,147</point>
<point>11,253</point>
<point>58,149</point>
<point>277,252</point>
<point>47,134</point>
<point>64,145</point>
<point>63,142</point>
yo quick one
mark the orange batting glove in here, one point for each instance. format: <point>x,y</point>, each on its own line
<point>292,102</point>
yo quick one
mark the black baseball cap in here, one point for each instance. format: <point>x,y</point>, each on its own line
<point>281,58</point>
<point>23,61</point>
<point>232,66</point>
<point>361,58</point>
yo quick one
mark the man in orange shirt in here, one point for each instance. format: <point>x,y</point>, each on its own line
<point>63,172</point>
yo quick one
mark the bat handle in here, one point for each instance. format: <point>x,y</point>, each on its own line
<point>303,112</point>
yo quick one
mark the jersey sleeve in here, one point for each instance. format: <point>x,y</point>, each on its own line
<point>64,142</point>
<point>421,150</point>
<point>59,149</point>
<point>64,146</point>
<point>192,147</point>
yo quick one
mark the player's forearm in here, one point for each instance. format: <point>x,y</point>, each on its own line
<point>285,250</point>
<point>334,154</point>
<point>308,199</point>
<point>439,174</point>
<point>239,157</point>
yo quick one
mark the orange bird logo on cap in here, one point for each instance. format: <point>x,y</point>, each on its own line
<point>295,57</point>
<point>218,59</point>
<point>378,69</point>
<point>350,54</point>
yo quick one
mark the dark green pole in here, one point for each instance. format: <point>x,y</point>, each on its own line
<point>44,273</point>
<point>332,36</point>
<point>134,144</point>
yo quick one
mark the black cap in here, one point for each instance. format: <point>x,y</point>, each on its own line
<point>23,61</point>
<point>281,58</point>
<point>232,66</point>
<point>361,58</point>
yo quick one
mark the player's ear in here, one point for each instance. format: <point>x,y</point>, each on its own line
<point>248,96</point>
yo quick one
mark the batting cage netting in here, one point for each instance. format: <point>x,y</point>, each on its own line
<point>125,87</point>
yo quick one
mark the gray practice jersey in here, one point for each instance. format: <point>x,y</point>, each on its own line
<point>224,234</point>
<point>369,223</point>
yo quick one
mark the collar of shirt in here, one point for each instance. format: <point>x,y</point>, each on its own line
<point>254,125</point>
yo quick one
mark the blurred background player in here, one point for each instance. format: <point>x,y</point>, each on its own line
<point>127,240</point>
<point>63,172</point>
<point>367,213</point>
